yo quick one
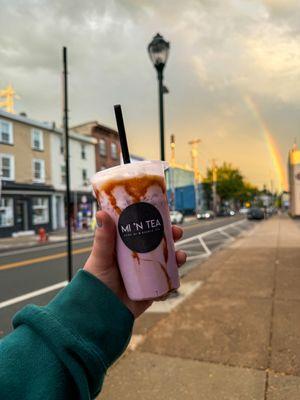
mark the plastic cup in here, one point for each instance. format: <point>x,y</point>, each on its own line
<point>134,195</point>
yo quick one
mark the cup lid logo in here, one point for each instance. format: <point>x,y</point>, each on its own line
<point>141,227</point>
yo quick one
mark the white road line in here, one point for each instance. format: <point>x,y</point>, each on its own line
<point>42,247</point>
<point>226,234</point>
<point>35,293</point>
<point>207,250</point>
<point>203,255</point>
<point>210,232</point>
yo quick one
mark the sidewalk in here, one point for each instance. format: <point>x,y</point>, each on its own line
<point>33,240</point>
<point>236,337</point>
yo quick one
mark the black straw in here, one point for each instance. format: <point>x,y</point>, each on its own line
<point>67,164</point>
<point>122,133</point>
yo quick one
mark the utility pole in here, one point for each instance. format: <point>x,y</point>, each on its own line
<point>0,185</point>
<point>172,170</point>
<point>194,153</point>
<point>214,185</point>
<point>67,161</point>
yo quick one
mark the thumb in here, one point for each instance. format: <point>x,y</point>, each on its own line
<point>103,255</point>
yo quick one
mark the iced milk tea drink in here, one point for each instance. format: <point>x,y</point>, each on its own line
<point>135,197</point>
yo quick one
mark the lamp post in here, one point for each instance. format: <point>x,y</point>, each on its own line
<point>158,51</point>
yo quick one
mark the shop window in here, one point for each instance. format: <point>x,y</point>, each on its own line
<point>6,212</point>
<point>40,210</point>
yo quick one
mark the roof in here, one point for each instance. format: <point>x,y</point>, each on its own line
<point>28,121</point>
<point>49,126</point>
<point>98,125</point>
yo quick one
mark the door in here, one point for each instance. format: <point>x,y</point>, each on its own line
<point>22,215</point>
<point>59,211</point>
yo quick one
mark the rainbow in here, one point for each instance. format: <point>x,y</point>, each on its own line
<point>270,142</point>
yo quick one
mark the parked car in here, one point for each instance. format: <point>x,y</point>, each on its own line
<point>243,211</point>
<point>255,213</point>
<point>176,217</point>
<point>226,212</point>
<point>207,214</point>
<point>270,211</point>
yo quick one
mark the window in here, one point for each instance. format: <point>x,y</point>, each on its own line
<point>62,146</point>
<point>6,212</point>
<point>102,147</point>
<point>83,152</point>
<point>40,210</point>
<point>38,167</point>
<point>114,151</point>
<point>63,174</point>
<point>7,167</point>
<point>84,176</point>
<point>6,132</point>
<point>37,142</point>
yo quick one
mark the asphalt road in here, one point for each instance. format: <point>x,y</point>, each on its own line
<point>27,270</point>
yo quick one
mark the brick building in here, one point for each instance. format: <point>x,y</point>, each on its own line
<point>107,149</point>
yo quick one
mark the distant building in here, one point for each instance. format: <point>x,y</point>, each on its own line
<point>25,168</point>
<point>294,181</point>
<point>107,149</point>
<point>32,176</point>
<point>181,177</point>
<point>82,168</point>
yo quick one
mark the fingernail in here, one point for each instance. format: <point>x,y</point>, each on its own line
<point>99,223</point>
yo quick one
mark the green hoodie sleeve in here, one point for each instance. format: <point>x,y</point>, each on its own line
<point>62,350</point>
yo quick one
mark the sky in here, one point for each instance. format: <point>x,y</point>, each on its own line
<point>233,73</point>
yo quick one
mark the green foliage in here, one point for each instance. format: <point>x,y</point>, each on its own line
<point>231,184</point>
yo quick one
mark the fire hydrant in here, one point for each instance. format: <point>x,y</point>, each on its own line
<point>43,237</point>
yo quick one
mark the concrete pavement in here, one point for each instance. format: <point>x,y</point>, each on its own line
<point>236,337</point>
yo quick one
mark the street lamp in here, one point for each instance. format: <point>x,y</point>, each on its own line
<point>158,51</point>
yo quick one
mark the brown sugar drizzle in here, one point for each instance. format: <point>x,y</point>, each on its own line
<point>136,256</point>
<point>137,188</point>
<point>166,256</point>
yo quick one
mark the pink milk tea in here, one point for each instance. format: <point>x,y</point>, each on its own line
<point>135,197</point>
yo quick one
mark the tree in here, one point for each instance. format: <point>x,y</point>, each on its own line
<point>231,185</point>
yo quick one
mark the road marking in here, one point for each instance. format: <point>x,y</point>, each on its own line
<point>42,247</point>
<point>18,264</point>
<point>33,294</point>
<point>226,234</point>
<point>207,233</point>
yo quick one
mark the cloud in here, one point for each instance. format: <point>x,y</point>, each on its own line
<point>220,52</point>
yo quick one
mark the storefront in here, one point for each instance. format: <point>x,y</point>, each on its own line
<point>24,208</point>
<point>83,208</point>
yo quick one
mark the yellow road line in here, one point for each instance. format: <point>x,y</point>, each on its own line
<point>18,264</point>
